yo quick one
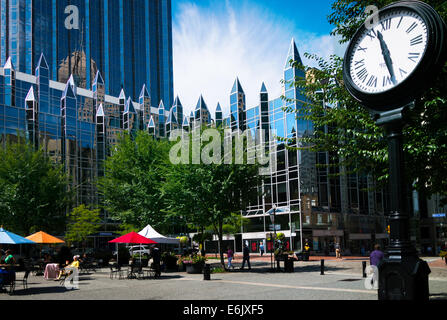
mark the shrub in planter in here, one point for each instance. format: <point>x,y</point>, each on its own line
<point>170,260</point>
<point>193,264</point>
<point>280,236</point>
<point>143,258</point>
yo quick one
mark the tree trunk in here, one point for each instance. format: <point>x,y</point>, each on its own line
<point>202,242</point>
<point>220,234</point>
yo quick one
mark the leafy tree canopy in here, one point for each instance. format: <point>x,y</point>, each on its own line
<point>82,223</point>
<point>134,175</point>
<point>347,130</point>
<point>33,190</point>
<point>212,194</point>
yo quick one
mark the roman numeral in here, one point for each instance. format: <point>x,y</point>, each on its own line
<point>372,82</point>
<point>402,72</point>
<point>362,49</point>
<point>412,27</point>
<point>372,34</point>
<point>386,25</point>
<point>399,22</point>
<point>417,40</point>
<point>387,81</point>
<point>413,56</point>
<point>359,64</point>
<point>362,74</point>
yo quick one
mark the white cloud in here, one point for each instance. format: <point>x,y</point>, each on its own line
<point>214,45</point>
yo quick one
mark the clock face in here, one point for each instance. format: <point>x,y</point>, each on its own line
<point>386,55</point>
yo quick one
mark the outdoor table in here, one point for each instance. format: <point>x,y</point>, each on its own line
<point>51,271</point>
<point>7,275</point>
<point>9,266</point>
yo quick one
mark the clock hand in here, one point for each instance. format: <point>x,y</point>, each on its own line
<point>387,56</point>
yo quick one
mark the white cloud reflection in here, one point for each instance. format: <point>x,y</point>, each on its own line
<point>214,45</point>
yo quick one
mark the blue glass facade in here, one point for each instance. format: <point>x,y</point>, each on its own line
<point>135,37</point>
<point>310,203</point>
<point>78,127</point>
<point>75,126</point>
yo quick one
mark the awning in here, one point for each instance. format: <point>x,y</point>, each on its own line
<point>360,236</point>
<point>150,233</point>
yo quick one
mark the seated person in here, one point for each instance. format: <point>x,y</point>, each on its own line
<point>9,274</point>
<point>9,258</point>
<point>74,264</point>
<point>47,259</point>
<point>84,258</point>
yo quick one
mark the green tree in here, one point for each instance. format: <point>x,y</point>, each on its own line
<point>210,195</point>
<point>134,175</point>
<point>82,223</point>
<point>33,190</point>
<point>348,132</point>
<point>127,228</point>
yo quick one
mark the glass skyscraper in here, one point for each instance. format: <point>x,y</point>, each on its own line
<point>128,41</point>
<point>80,126</point>
<point>310,201</point>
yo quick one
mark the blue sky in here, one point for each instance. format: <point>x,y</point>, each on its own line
<point>215,41</point>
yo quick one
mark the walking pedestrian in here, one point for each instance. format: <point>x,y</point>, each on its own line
<point>376,256</point>
<point>156,258</point>
<point>337,251</point>
<point>261,247</point>
<point>230,255</point>
<point>246,258</point>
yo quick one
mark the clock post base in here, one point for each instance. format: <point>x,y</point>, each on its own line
<point>403,278</point>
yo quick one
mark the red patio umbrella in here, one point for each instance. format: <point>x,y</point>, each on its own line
<point>132,238</point>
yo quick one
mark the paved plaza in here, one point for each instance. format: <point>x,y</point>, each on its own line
<point>342,281</point>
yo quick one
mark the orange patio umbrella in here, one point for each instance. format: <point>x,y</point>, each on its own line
<point>44,238</point>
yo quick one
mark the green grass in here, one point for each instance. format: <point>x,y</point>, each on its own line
<point>218,270</point>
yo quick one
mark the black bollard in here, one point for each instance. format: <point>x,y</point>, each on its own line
<point>364,269</point>
<point>322,267</point>
<point>207,272</point>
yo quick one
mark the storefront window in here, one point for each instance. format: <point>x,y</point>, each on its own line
<point>254,225</point>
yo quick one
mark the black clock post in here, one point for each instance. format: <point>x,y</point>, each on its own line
<point>402,274</point>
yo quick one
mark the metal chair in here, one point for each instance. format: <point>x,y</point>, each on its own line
<point>25,279</point>
<point>66,272</point>
<point>8,282</point>
<point>135,271</point>
<point>115,270</point>
<point>150,272</point>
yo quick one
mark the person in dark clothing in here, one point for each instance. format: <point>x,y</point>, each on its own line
<point>156,257</point>
<point>246,258</point>
<point>376,256</point>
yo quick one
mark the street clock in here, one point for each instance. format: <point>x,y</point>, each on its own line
<point>389,64</point>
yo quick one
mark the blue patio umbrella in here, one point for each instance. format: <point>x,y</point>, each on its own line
<point>7,237</point>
